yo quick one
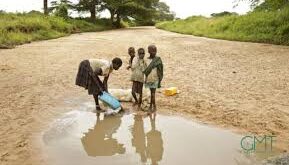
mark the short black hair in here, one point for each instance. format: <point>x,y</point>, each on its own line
<point>141,49</point>
<point>153,47</point>
<point>131,49</point>
<point>117,61</point>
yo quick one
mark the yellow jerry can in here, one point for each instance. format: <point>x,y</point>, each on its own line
<point>171,91</point>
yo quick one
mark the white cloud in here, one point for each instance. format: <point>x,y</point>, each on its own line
<point>183,8</point>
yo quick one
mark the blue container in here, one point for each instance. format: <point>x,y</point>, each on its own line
<point>110,100</point>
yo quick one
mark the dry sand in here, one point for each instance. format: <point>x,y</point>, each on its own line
<point>236,85</point>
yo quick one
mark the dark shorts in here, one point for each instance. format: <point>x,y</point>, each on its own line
<point>87,79</point>
<point>137,87</point>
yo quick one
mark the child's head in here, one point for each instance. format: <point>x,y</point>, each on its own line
<point>116,63</point>
<point>152,49</point>
<point>141,53</point>
<point>131,51</point>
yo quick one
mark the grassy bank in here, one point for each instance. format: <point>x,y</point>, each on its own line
<point>265,27</point>
<point>18,29</point>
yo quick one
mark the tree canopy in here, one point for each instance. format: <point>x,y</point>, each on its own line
<point>267,4</point>
<point>142,12</point>
<point>271,5</point>
<point>224,13</point>
<point>61,8</point>
<point>90,6</point>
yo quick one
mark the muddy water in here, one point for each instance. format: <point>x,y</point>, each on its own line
<point>82,137</point>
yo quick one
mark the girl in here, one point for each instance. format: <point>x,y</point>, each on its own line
<point>89,72</point>
<point>137,76</point>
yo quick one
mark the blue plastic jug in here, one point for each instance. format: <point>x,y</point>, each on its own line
<point>110,100</point>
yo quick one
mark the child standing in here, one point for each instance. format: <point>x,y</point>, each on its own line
<point>154,74</point>
<point>131,53</point>
<point>137,76</point>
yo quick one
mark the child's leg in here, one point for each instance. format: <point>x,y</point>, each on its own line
<point>140,97</point>
<point>153,101</point>
<point>95,96</point>
<point>133,92</point>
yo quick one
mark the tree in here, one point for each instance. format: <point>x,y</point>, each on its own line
<point>148,16</point>
<point>271,5</point>
<point>122,9</point>
<point>159,11</point>
<point>89,5</point>
<point>164,13</point>
<point>45,4</point>
<point>266,4</point>
<point>61,8</point>
<point>224,13</point>
<point>253,3</point>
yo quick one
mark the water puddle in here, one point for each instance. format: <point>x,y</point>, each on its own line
<point>82,137</point>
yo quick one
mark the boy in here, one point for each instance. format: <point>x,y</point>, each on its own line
<point>154,75</point>
<point>137,76</point>
<point>131,52</point>
<point>89,72</point>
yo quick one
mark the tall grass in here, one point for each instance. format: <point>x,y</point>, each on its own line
<point>261,26</point>
<point>22,28</point>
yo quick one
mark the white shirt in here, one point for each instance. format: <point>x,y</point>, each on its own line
<point>105,66</point>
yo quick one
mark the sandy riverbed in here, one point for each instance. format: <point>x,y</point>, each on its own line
<point>235,85</point>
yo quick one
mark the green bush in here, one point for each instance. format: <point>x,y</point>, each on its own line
<point>26,27</point>
<point>259,26</point>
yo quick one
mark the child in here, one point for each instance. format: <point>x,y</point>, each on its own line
<point>89,72</point>
<point>154,75</point>
<point>137,76</point>
<point>131,52</point>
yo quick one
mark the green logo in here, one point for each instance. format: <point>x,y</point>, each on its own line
<point>258,143</point>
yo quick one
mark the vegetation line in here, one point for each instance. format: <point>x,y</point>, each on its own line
<point>266,24</point>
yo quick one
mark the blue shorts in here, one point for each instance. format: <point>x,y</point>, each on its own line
<point>152,85</point>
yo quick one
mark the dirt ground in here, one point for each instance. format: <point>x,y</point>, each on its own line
<point>235,85</point>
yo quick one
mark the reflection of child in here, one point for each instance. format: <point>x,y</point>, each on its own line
<point>99,141</point>
<point>155,148</point>
<point>131,53</point>
<point>138,137</point>
<point>154,74</point>
<point>137,76</point>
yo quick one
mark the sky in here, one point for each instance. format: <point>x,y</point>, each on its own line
<point>182,8</point>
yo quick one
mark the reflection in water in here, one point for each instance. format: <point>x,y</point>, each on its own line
<point>138,140</point>
<point>99,141</point>
<point>149,145</point>
<point>154,142</point>
<point>150,141</point>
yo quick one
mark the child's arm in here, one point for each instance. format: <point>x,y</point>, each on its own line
<point>134,64</point>
<point>144,65</point>
<point>160,72</point>
<point>130,63</point>
<point>105,83</point>
<point>98,72</point>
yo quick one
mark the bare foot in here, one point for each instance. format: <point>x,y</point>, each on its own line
<point>150,109</point>
<point>154,109</point>
<point>98,109</point>
<point>134,104</point>
<point>139,107</point>
<point>97,115</point>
